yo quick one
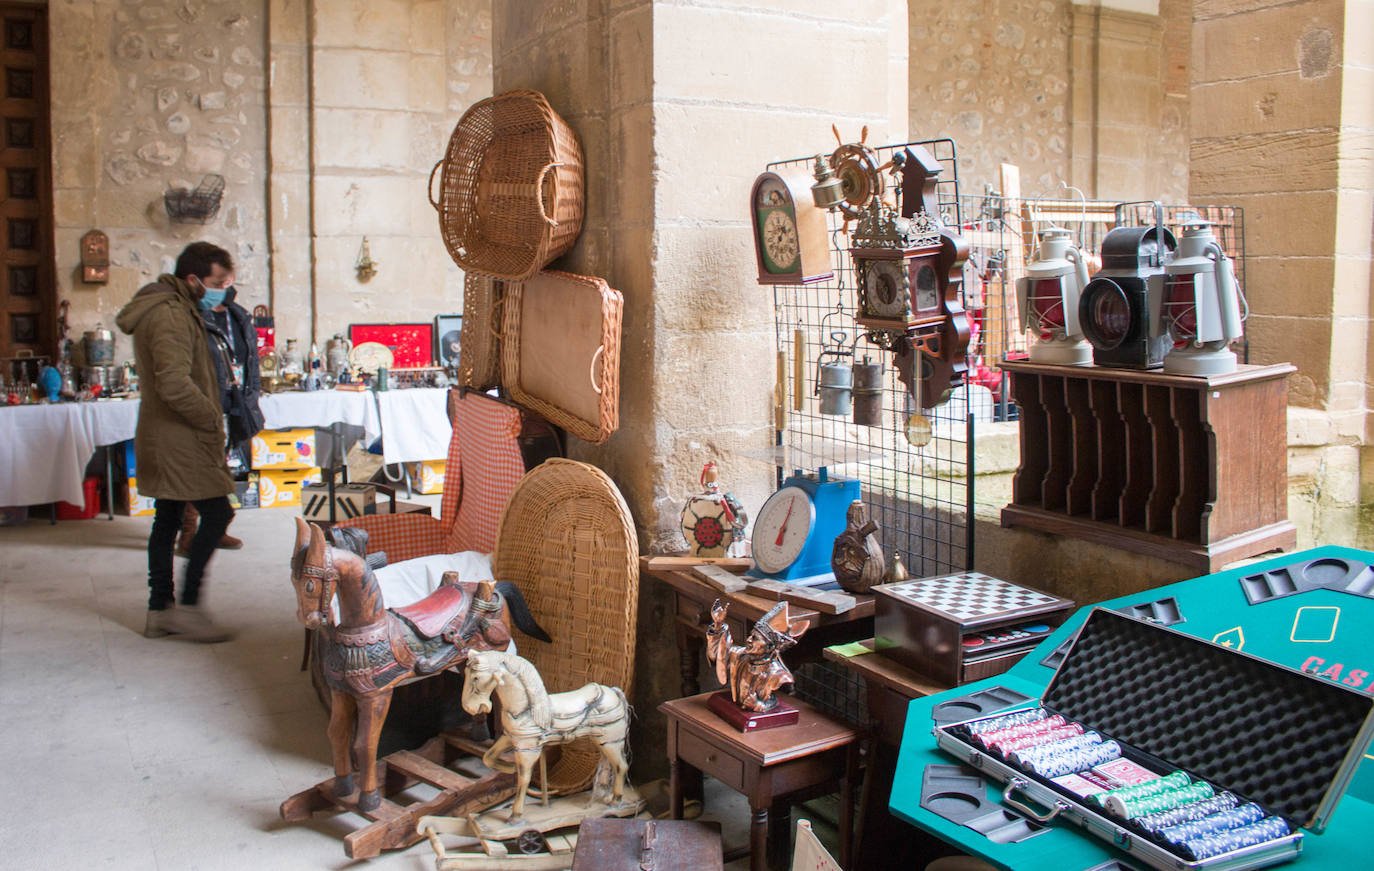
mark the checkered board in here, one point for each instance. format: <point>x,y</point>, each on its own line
<point>970,596</point>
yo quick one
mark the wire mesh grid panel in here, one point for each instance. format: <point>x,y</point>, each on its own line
<point>920,496</point>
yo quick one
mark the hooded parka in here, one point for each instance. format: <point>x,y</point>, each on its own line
<point>179,444</point>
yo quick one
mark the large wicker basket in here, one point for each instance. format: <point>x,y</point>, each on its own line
<point>511,191</point>
<point>568,541</point>
<point>479,348</point>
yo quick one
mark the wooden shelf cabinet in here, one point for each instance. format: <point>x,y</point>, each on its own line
<point>1192,470</point>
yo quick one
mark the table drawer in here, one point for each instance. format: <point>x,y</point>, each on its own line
<point>700,754</point>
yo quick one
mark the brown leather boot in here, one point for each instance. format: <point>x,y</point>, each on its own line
<point>189,516</point>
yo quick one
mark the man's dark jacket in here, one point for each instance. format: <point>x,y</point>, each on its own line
<point>245,347</point>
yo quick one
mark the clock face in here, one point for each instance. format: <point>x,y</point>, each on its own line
<point>781,529</point>
<point>885,288</point>
<point>926,298</point>
<point>780,246</point>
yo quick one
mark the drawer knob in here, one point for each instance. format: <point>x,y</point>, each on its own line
<point>710,757</point>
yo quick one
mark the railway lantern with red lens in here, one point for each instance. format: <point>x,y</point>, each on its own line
<point>1047,298</point>
<point>1201,307</point>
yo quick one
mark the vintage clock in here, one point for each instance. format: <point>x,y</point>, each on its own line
<point>896,264</point>
<point>795,530</point>
<point>791,241</point>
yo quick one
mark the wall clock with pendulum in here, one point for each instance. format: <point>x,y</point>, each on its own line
<point>795,530</point>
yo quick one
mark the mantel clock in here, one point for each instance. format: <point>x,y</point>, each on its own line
<point>791,241</point>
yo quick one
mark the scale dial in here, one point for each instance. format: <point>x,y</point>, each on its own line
<point>780,531</point>
<point>780,240</point>
<point>885,292</point>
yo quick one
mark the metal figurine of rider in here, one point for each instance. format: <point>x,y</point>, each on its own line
<point>368,650</point>
<point>754,671</point>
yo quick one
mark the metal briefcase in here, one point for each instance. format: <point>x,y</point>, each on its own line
<point>1286,741</point>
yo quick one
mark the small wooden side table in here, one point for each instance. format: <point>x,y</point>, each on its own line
<point>765,766</point>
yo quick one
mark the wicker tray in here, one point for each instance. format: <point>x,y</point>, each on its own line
<point>568,541</point>
<point>479,348</point>
<point>511,191</point>
<point>561,351</point>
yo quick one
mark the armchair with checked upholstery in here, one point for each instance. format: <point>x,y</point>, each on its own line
<point>485,463</point>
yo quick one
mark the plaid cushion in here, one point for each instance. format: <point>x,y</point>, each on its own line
<point>401,536</point>
<point>487,434</point>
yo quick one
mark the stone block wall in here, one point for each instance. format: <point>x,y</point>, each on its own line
<point>324,129</point>
<point>149,95</point>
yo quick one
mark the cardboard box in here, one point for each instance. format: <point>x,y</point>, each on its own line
<point>136,505</point>
<point>284,449</point>
<point>278,487</point>
<point>245,493</point>
<point>427,476</point>
<point>350,500</point>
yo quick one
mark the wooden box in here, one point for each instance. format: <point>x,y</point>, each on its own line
<point>350,500</point>
<point>962,627</point>
<point>1191,470</point>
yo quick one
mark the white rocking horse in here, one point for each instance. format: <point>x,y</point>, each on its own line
<point>531,718</point>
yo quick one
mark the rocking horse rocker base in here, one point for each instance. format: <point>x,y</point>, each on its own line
<point>393,825</point>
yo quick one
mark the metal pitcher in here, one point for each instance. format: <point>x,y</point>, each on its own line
<point>99,346</point>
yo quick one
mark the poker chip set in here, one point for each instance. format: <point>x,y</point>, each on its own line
<point>1130,741</point>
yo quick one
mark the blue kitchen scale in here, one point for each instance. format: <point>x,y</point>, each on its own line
<point>795,530</point>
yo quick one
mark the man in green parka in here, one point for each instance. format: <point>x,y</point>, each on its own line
<point>180,441</point>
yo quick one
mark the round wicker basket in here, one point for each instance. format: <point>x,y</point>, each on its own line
<point>511,188</point>
<point>568,542</point>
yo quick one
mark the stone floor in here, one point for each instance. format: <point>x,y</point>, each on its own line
<point>124,752</point>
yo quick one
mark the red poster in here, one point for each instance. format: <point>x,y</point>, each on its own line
<point>411,344</point>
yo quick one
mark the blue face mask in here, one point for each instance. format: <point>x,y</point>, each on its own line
<point>213,297</point>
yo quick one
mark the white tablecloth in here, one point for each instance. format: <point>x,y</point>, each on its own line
<point>44,449</point>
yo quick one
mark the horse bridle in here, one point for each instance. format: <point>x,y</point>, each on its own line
<point>328,576</point>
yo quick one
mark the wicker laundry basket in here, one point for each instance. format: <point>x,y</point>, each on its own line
<point>568,541</point>
<point>479,349</point>
<point>511,188</point>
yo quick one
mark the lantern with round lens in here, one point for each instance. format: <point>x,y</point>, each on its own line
<point>1109,313</point>
<point>1201,308</point>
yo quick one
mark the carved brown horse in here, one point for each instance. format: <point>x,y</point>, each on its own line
<point>368,650</point>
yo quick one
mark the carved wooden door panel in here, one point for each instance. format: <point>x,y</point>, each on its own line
<point>28,296</point>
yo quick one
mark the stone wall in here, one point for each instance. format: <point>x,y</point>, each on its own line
<point>1086,94</point>
<point>148,95</point>
<point>325,131</point>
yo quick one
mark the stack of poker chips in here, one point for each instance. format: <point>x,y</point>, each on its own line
<point>1009,745</point>
<point>1173,780</point>
<point>1234,818</point>
<point>1153,824</point>
<point>1015,718</point>
<point>1207,846</point>
<point>1031,755</point>
<point>995,737</point>
<point>1129,808</point>
<point>1074,761</point>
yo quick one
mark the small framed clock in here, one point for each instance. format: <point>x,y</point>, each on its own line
<point>899,288</point>
<point>791,241</point>
<point>794,532</point>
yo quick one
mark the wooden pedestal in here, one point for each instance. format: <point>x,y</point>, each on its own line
<point>782,714</point>
<point>1191,470</point>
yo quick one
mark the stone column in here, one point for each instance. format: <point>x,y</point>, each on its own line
<point>1121,129</point>
<point>1283,126</point>
<point>679,107</point>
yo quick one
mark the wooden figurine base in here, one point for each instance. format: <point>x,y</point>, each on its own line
<point>782,714</point>
<point>393,825</point>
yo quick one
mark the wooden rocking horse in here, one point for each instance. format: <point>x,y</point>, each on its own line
<point>369,650</point>
<point>532,718</point>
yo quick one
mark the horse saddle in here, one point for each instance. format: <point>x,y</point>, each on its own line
<point>441,613</point>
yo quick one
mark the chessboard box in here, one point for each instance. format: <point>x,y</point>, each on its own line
<point>922,623</point>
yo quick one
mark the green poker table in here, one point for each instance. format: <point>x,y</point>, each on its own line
<point>1312,611</point>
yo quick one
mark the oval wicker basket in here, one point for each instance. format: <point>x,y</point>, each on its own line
<point>568,542</point>
<point>511,191</point>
